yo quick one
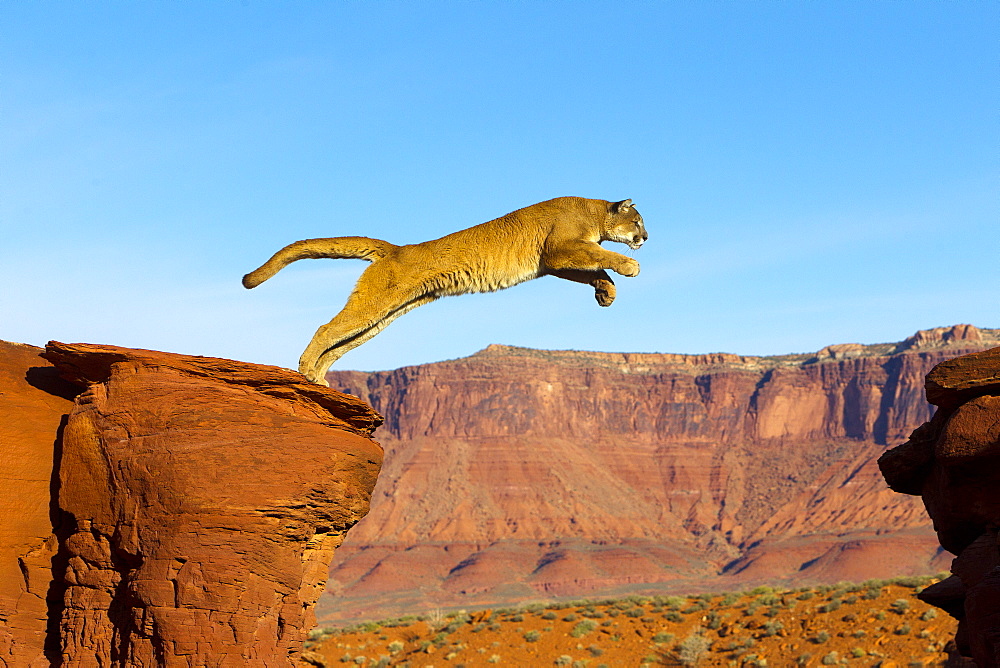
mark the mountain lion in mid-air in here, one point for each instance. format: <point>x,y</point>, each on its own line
<point>559,237</point>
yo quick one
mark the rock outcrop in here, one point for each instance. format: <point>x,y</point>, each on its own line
<point>953,463</point>
<point>520,474</point>
<point>192,507</point>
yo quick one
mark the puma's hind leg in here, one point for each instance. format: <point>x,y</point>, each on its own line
<point>338,348</point>
<point>376,300</point>
<point>604,287</point>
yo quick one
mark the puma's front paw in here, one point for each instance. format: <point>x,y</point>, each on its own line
<point>604,291</point>
<point>629,267</point>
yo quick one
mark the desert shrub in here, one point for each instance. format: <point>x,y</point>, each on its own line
<point>495,626</point>
<point>360,660</point>
<point>569,618</point>
<point>772,628</point>
<point>830,659</point>
<point>346,658</point>
<point>872,594</point>
<point>564,660</point>
<point>395,647</point>
<point>851,600</point>
<point>606,622</point>
<point>517,618</point>
<point>674,602</point>
<point>635,612</point>
<point>821,637</point>
<point>532,636</point>
<point>805,596</point>
<point>880,615</point>
<point>383,662</point>
<point>928,615</point>
<point>581,663</point>
<point>903,630</point>
<point>803,659</point>
<point>663,637</point>
<point>769,599</point>
<point>494,658</point>
<point>673,616</point>
<point>900,605</point>
<point>693,648</point>
<point>849,617</point>
<point>773,611</point>
<point>549,615</point>
<point>729,599</point>
<point>714,621</point>
<point>582,628</point>
<point>857,652</point>
<point>859,633</point>
<point>830,606</point>
<point>763,589</point>
<point>595,651</point>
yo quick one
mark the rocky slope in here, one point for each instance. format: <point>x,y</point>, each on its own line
<point>953,463</point>
<point>521,474</point>
<point>170,510</point>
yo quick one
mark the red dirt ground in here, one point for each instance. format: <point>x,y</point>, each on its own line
<point>879,623</point>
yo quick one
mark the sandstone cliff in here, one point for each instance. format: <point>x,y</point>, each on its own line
<point>516,474</point>
<point>953,463</point>
<point>180,511</point>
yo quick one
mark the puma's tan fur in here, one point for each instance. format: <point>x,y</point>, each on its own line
<point>559,237</point>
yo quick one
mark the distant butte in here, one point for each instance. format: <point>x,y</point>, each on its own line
<point>518,474</point>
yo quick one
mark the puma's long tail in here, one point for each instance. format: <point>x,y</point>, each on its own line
<point>361,248</point>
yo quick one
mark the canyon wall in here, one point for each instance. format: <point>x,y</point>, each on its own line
<point>171,510</point>
<point>520,474</point>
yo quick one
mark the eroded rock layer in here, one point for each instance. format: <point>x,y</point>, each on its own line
<point>953,463</point>
<point>195,506</point>
<point>697,471</point>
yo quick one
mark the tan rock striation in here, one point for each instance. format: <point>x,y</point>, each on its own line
<point>953,463</point>
<point>196,504</point>
<point>517,473</point>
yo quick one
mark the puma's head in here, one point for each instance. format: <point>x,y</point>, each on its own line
<point>624,224</point>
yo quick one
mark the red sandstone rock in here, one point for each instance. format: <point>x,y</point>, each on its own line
<point>955,463</point>
<point>33,403</point>
<point>952,382</point>
<point>707,454</point>
<point>197,502</point>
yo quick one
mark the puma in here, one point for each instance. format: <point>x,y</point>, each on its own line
<point>560,237</point>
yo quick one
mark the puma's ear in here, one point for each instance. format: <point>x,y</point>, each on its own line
<point>622,207</point>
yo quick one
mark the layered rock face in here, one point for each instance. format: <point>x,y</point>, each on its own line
<point>953,463</point>
<point>520,474</point>
<point>195,506</point>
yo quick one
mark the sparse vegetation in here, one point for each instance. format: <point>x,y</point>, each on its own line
<point>772,627</point>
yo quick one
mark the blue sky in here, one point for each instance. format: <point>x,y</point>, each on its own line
<point>809,172</point>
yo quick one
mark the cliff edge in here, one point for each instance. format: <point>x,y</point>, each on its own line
<point>171,510</point>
